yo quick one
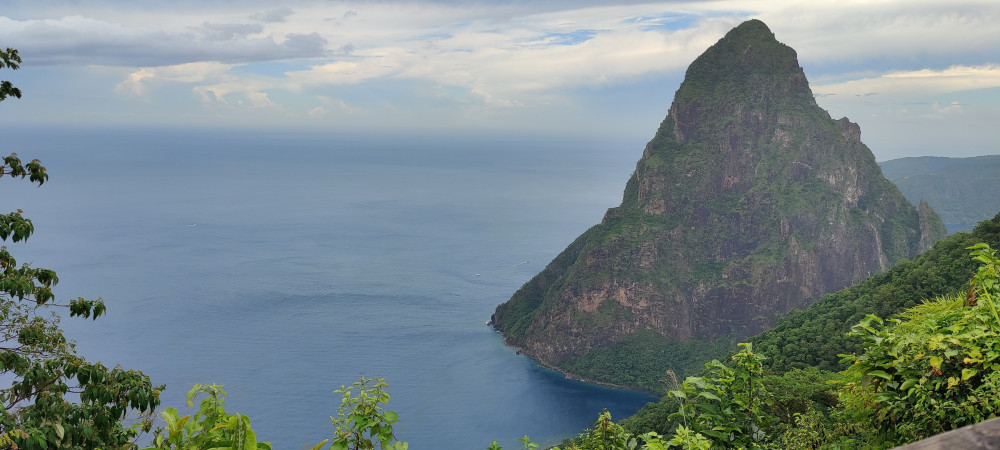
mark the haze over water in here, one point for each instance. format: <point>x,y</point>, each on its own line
<point>284,265</point>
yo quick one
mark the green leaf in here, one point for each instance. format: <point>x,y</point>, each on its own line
<point>968,373</point>
<point>709,396</point>
<point>880,374</point>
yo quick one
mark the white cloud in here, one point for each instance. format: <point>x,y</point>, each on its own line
<point>923,82</point>
<point>256,99</point>
<point>954,107</point>
<point>494,57</point>
<point>136,83</point>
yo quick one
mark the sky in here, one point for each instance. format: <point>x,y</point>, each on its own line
<point>920,77</point>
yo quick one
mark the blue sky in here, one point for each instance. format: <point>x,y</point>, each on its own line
<point>921,77</point>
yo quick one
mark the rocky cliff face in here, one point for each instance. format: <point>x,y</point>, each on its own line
<point>748,202</point>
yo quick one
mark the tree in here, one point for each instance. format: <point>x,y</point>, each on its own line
<point>12,61</point>
<point>37,410</point>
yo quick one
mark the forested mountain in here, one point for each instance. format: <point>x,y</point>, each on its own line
<point>816,336</point>
<point>749,201</point>
<point>963,191</point>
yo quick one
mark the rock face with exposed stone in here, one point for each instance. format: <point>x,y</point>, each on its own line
<point>749,201</point>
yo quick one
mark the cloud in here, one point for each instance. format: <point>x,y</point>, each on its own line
<point>502,57</point>
<point>275,15</point>
<point>256,99</point>
<point>501,63</point>
<point>78,40</point>
<point>954,107</point>
<point>235,91</point>
<point>137,82</point>
<point>230,31</point>
<point>923,82</point>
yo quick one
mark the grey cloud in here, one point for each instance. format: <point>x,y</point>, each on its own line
<point>230,31</point>
<point>44,43</point>
<point>274,15</point>
<point>306,43</point>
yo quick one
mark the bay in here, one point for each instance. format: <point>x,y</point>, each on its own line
<point>284,265</point>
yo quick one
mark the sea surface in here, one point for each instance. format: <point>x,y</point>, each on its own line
<point>283,265</point>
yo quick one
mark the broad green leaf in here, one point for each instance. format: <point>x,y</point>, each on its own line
<point>709,396</point>
<point>880,374</point>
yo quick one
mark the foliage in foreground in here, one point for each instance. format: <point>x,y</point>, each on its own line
<point>209,428</point>
<point>56,398</point>
<point>934,368</point>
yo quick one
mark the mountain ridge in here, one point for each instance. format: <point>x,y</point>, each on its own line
<point>962,190</point>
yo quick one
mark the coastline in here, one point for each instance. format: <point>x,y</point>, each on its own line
<point>569,375</point>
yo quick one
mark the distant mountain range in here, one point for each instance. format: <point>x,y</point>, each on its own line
<point>963,191</point>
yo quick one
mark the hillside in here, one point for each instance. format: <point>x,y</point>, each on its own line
<point>748,202</point>
<point>963,191</point>
<point>814,338</point>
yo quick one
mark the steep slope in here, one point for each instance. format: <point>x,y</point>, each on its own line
<point>816,336</point>
<point>963,190</point>
<point>747,202</point>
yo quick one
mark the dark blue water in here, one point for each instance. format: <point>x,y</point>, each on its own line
<point>284,265</point>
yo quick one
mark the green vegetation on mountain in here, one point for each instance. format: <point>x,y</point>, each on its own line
<point>963,191</point>
<point>814,337</point>
<point>808,344</point>
<point>749,202</point>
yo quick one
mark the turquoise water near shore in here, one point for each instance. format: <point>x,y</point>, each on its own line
<point>283,265</point>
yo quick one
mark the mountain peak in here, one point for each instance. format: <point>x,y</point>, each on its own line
<point>749,201</point>
<point>746,65</point>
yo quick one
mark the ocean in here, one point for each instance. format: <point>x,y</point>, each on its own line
<point>283,265</point>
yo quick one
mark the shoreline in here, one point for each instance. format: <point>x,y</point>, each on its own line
<point>572,376</point>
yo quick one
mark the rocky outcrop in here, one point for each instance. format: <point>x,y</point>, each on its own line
<point>748,202</point>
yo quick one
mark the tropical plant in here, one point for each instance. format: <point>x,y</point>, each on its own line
<point>604,435</point>
<point>934,368</point>
<point>726,405</point>
<point>361,423</point>
<point>209,428</point>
